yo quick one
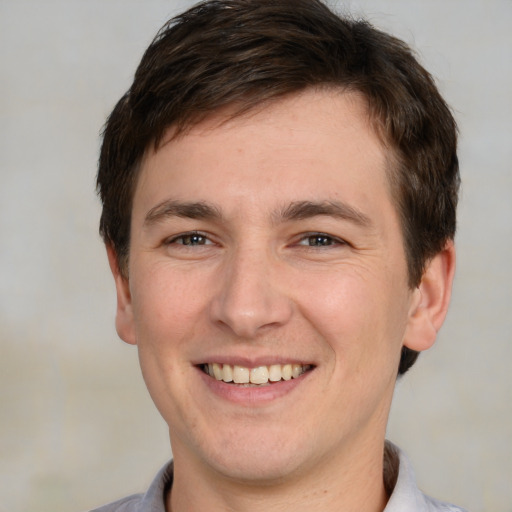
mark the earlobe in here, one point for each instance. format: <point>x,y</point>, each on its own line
<point>431,300</point>
<point>124,313</point>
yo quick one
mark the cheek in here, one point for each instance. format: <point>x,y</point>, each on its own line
<point>166,312</point>
<point>337,303</point>
<point>358,318</point>
<point>167,305</point>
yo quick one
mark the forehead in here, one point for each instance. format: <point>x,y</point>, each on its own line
<point>318,143</point>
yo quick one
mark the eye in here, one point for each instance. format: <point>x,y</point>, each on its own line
<point>319,240</point>
<point>191,239</point>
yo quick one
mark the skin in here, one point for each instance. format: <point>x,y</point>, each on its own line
<point>272,273</point>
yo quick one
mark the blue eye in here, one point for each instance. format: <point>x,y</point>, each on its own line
<point>319,240</point>
<point>190,239</point>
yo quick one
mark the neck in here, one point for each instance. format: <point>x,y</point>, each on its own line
<point>352,484</point>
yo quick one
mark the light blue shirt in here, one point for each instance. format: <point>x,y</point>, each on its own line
<point>405,497</point>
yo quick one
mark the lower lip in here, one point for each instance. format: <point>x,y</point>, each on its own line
<point>252,395</point>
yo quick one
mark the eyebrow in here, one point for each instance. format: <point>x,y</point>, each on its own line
<point>300,210</point>
<point>188,210</point>
<point>297,210</point>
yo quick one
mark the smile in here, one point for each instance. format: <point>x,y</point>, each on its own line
<point>260,375</point>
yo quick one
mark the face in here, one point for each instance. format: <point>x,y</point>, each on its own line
<point>263,247</point>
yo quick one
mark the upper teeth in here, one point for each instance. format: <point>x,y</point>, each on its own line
<point>258,375</point>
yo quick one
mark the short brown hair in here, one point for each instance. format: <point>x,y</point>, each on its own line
<point>245,53</point>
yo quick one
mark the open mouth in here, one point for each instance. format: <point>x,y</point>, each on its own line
<point>261,375</point>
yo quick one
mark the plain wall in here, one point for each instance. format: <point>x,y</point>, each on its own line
<point>77,427</point>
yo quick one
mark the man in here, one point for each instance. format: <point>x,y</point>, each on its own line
<point>279,189</point>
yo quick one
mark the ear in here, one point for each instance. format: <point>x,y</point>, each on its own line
<point>124,313</point>
<point>430,300</point>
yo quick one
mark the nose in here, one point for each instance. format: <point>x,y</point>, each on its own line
<point>250,298</point>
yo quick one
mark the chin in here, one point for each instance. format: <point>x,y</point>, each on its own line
<point>258,468</point>
<point>260,458</point>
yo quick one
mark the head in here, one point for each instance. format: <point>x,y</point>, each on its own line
<point>242,55</point>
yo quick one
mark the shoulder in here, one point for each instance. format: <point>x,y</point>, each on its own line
<point>128,504</point>
<point>153,500</point>
<point>405,495</point>
<point>433,505</point>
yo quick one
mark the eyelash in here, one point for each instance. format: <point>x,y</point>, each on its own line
<point>189,235</point>
<point>331,240</point>
<point>187,240</point>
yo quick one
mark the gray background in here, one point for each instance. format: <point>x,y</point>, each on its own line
<point>77,427</point>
